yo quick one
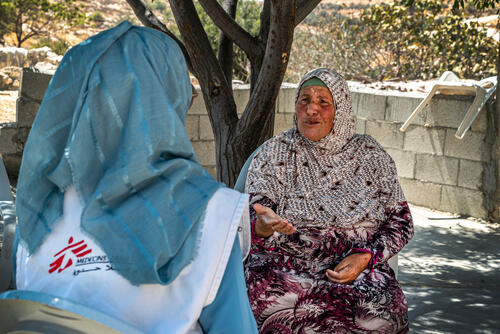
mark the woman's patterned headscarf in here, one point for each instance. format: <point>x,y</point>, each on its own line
<point>343,126</point>
<point>341,180</point>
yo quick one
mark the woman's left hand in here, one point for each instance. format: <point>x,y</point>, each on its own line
<point>349,268</point>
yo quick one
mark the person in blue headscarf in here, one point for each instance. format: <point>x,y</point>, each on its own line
<point>115,212</point>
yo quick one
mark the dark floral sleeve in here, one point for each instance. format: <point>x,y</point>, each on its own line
<point>392,236</point>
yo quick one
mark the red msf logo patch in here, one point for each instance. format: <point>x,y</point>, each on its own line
<point>79,249</point>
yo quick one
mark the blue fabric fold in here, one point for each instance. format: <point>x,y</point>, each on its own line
<point>112,123</point>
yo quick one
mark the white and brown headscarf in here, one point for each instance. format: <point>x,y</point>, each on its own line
<point>341,180</point>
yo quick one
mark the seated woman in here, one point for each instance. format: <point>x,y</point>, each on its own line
<point>115,212</point>
<point>327,213</point>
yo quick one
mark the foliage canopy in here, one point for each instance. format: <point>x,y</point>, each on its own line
<point>247,16</point>
<point>30,18</point>
<point>418,40</point>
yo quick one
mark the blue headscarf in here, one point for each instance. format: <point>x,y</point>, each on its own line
<point>112,123</point>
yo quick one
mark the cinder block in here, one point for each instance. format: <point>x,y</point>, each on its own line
<point>12,164</point>
<point>211,170</point>
<point>285,103</point>
<point>400,107</point>
<point>422,193</point>
<point>20,138</point>
<point>283,122</point>
<point>369,105</point>
<point>26,111</point>
<point>448,111</point>
<point>464,201</point>
<point>424,140</point>
<point>472,147</point>
<point>8,143</point>
<point>387,134</point>
<point>205,151</point>
<point>360,125</point>
<point>34,84</point>
<point>470,174</point>
<point>206,132</point>
<point>489,179</point>
<point>405,162</point>
<point>480,124</point>
<point>192,126</point>
<point>436,168</point>
<point>241,95</point>
<point>198,107</point>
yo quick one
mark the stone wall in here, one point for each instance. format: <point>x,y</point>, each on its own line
<point>436,170</point>
<point>13,59</point>
<point>13,135</point>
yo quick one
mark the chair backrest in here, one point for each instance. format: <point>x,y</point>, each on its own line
<point>7,229</point>
<point>240,186</point>
<point>38,312</point>
<point>242,177</point>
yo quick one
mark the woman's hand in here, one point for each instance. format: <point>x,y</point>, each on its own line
<point>349,268</point>
<point>269,222</point>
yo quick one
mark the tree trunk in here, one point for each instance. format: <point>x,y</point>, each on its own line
<point>217,94</point>
<point>257,122</point>
<point>236,139</point>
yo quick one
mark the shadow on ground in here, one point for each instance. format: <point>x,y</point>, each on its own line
<point>450,275</point>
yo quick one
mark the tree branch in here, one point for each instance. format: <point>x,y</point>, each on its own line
<point>257,120</point>
<point>264,21</point>
<point>213,83</point>
<point>149,19</point>
<point>304,7</point>
<point>232,29</point>
<point>225,50</point>
<point>217,93</point>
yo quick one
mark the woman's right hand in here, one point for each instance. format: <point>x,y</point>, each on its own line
<point>269,222</point>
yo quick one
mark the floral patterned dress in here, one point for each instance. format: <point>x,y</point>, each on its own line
<point>289,292</point>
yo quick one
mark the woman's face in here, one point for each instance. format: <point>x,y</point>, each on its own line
<point>315,112</point>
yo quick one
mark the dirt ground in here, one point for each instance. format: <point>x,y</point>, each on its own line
<point>8,106</point>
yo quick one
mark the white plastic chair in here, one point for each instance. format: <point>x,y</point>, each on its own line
<point>450,84</point>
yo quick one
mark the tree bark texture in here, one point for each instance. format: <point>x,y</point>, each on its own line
<point>225,49</point>
<point>268,53</point>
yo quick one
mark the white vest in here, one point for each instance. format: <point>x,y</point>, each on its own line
<point>69,264</point>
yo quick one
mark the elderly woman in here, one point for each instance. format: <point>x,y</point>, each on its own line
<point>115,212</point>
<point>327,213</point>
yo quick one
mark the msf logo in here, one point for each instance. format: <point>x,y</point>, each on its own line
<point>63,258</point>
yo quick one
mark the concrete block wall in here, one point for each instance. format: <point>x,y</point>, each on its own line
<point>200,130</point>
<point>436,170</point>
